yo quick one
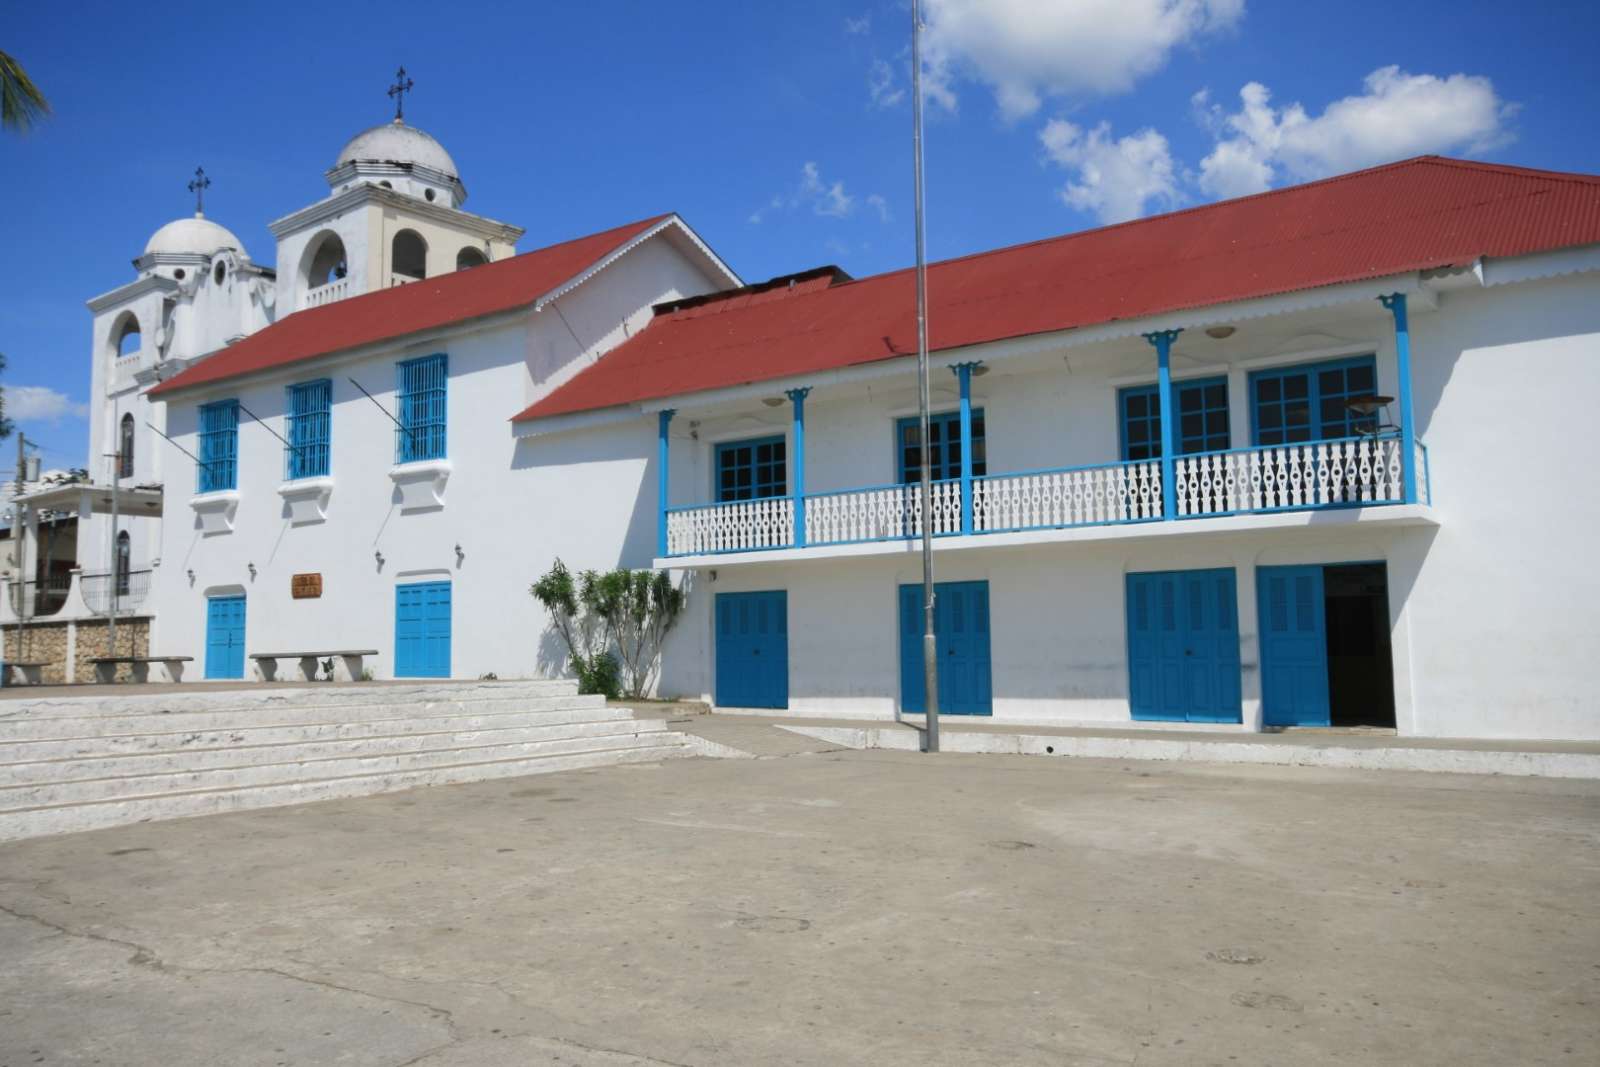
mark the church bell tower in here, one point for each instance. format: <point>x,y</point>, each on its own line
<point>393,216</point>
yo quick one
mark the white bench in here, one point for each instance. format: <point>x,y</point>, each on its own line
<point>24,672</point>
<point>347,663</point>
<point>145,668</point>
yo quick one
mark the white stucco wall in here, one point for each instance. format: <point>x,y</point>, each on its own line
<point>510,506</point>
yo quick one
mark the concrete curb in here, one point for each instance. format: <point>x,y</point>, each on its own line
<point>1320,753</point>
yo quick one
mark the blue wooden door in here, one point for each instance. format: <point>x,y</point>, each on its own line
<point>225,637</point>
<point>1183,646</point>
<point>753,650</point>
<point>1294,646</point>
<point>961,630</point>
<point>422,630</point>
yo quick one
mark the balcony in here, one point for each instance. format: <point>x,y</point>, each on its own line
<point>1357,472</point>
<point>326,294</point>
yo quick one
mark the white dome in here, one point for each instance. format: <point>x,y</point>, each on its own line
<point>192,235</point>
<point>395,142</point>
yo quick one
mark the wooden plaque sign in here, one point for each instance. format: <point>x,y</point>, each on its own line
<point>306,586</point>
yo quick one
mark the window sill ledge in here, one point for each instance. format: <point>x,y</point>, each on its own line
<point>214,511</point>
<point>305,500</point>
<point>420,485</point>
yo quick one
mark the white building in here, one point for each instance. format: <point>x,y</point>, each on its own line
<point>1368,511</point>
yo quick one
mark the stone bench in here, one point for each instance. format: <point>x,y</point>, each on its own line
<point>145,668</point>
<point>24,672</point>
<point>347,663</point>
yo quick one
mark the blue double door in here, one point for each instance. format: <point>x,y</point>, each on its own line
<point>225,637</point>
<point>1183,646</point>
<point>961,631</point>
<point>752,649</point>
<point>422,630</point>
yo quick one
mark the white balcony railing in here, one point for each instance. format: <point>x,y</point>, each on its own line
<point>1079,496</point>
<point>1355,470</point>
<point>881,513</point>
<point>327,294</point>
<point>401,279</point>
<point>737,526</point>
<point>1352,472</point>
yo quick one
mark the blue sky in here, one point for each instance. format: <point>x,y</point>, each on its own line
<point>780,131</point>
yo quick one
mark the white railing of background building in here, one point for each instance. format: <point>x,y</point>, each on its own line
<point>120,593</point>
<point>1076,496</point>
<point>401,279</point>
<point>1355,470</point>
<point>327,294</point>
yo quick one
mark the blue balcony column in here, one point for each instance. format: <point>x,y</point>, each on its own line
<point>963,373</point>
<point>663,456</point>
<point>1163,339</point>
<point>1396,303</point>
<point>797,397</point>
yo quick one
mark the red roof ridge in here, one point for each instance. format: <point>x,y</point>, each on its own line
<point>1437,160</point>
<point>1465,164</point>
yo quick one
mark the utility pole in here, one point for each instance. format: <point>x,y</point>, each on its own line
<point>930,642</point>
<point>116,573</point>
<point>18,537</point>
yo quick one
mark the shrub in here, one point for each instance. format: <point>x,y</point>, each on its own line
<point>626,610</point>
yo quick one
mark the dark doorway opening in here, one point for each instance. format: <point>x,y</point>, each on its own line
<point>1360,660</point>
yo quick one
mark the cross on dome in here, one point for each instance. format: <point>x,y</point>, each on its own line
<point>198,186</point>
<point>397,92</point>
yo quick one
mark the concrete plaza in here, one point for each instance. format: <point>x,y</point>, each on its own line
<point>823,909</point>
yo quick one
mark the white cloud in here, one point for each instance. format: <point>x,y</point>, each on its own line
<point>39,403</point>
<point>884,85</point>
<point>879,204</point>
<point>1028,50</point>
<point>1398,115</point>
<point>857,27</point>
<point>1115,179</point>
<point>824,198</point>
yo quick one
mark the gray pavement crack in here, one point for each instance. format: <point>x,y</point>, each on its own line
<point>144,956</point>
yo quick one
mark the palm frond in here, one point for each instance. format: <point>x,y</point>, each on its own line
<point>21,103</point>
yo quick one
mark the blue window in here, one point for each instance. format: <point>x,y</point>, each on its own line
<point>422,409</point>
<point>310,416</point>
<point>752,470</point>
<point>1202,418</point>
<point>944,446</point>
<point>219,446</point>
<point>1310,402</point>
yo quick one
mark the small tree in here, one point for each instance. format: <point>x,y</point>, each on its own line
<point>638,608</point>
<point>582,633</point>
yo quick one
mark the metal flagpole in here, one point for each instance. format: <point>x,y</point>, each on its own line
<point>115,569</point>
<point>930,644</point>
<point>17,539</point>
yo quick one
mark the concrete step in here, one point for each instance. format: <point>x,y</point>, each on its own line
<point>131,701</point>
<point>173,760</point>
<point>625,736</point>
<point>65,818</point>
<point>67,727</point>
<point>130,744</point>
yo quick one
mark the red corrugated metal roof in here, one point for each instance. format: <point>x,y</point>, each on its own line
<point>425,305</point>
<point>1413,215</point>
